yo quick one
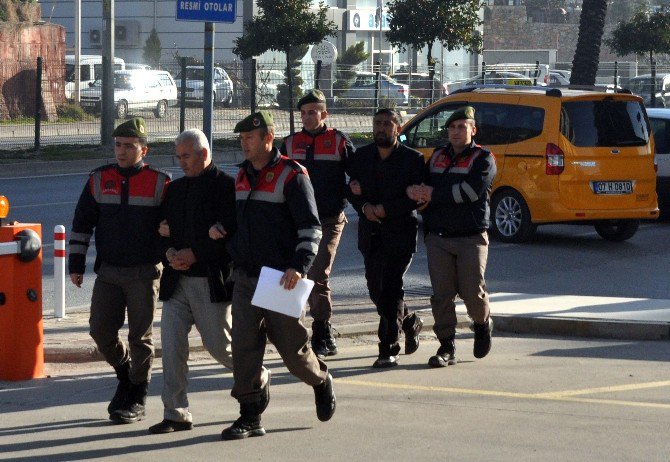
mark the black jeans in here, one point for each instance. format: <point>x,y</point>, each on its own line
<point>384,271</point>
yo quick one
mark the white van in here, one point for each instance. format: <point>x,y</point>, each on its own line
<point>90,71</point>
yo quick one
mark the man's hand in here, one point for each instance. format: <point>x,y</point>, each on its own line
<point>164,229</point>
<point>290,278</point>
<point>217,231</point>
<point>355,187</point>
<point>369,212</point>
<point>77,279</point>
<point>180,260</point>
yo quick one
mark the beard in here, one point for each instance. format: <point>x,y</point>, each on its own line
<point>383,141</point>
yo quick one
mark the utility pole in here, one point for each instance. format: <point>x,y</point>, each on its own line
<point>107,112</point>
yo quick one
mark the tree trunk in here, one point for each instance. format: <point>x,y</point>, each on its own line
<point>587,53</point>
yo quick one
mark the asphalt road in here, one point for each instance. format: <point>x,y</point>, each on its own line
<point>532,398</point>
<point>561,260</point>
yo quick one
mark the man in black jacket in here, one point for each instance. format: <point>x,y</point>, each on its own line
<point>387,229</point>
<point>457,191</point>
<point>195,285</point>
<point>121,203</point>
<point>278,227</point>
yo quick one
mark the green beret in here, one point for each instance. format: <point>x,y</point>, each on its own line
<point>312,96</point>
<point>135,127</point>
<point>465,112</point>
<point>256,120</point>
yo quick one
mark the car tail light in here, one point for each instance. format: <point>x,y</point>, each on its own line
<point>554,160</point>
<point>445,86</point>
<point>402,90</point>
<point>546,79</point>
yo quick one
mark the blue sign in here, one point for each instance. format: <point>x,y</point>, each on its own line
<point>206,10</point>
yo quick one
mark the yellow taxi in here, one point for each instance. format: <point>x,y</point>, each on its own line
<point>563,156</point>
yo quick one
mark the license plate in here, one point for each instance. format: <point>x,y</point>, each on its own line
<point>518,82</point>
<point>88,103</point>
<point>613,187</point>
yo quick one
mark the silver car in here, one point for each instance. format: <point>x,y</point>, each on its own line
<point>222,85</point>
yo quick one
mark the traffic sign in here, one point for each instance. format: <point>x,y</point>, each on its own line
<point>206,10</point>
<point>324,52</point>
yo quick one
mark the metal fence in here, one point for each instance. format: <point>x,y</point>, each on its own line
<point>51,112</point>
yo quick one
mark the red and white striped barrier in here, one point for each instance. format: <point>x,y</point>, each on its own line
<point>59,271</point>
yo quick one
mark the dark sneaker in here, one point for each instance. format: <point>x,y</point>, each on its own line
<point>170,426</point>
<point>243,428</point>
<point>324,396</point>
<point>320,348</point>
<point>384,362</point>
<point>331,346</point>
<point>482,338</point>
<point>265,395</point>
<point>414,326</point>
<point>446,355</point>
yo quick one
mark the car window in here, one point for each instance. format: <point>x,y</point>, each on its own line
<point>604,123</point>
<point>165,80</point>
<point>661,134</point>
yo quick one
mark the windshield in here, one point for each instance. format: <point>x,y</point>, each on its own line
<point>193,74</point>
<point>605,123</point>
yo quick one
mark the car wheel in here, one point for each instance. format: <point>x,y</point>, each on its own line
<point>617,230</point>
<point>229,101</point>
<point>511,217</point>
<point>121,110</point>
<point>161,109</point>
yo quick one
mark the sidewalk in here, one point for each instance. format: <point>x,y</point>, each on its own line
<point>67,340</point>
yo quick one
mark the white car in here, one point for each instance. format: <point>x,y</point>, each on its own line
<point>267,81</point>
<point>362,90</point>
<point>222,85</point>
<point>660,124</point>
<point>134,90</point>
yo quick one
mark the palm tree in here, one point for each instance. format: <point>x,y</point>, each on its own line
<point>587,53</point>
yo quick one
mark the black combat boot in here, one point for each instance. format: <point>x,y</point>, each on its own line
<point>319,339</point>
<point>133,409</point>
<point>249,423</point>
<point>446,354</point>
<point>122,388</point>
<point>324,396</point>
<point>330,340</point>
<point>388,356</point>
<point>482,338</point>
<point>265,395</point>
<point>412,326</point>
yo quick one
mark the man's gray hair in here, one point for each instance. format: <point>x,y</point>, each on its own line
<point>194,136</point>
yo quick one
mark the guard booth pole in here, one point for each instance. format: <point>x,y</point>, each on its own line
<point>21,329</point>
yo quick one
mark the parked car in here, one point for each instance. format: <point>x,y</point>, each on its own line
<point>267,81</point>
<point>563,156</point>
<point>556,79</point>
<point>660,125</point>
<point>145,67</point>
<point>362,90</point>
<point>222,85</point>
<point>641,86</point>
<point>420,85</point>
<point>134,90</point>
<point>499,78</point>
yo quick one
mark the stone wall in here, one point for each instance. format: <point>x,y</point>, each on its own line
<point>507,28</point>
<point>21,43</point>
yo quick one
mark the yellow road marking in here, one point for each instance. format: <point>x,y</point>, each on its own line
<point>566,396</point>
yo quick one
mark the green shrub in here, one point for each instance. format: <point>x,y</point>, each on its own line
<point>70,112</point>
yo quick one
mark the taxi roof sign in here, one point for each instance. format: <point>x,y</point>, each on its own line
<point>4,207</point>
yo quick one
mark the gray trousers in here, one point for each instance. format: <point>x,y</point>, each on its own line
<point>251,329</point>
<point>190,304</point>
<point>456,266</point>
<point>320,302</point>
<point>116,289</point>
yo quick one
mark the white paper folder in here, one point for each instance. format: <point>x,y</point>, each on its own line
<point>271,295</point>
